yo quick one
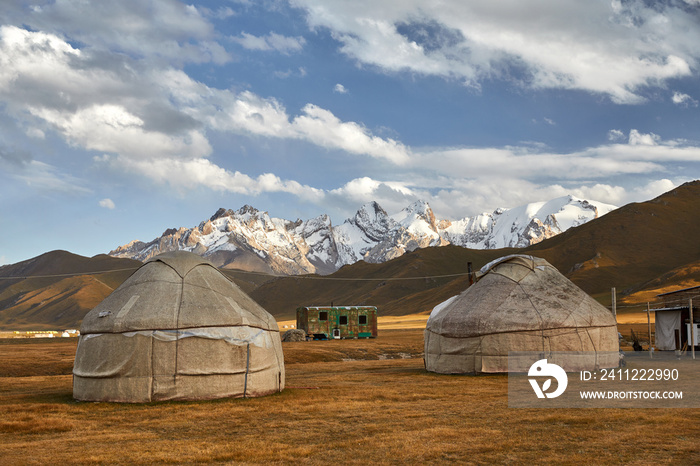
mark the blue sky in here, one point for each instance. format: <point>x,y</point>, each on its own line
<point>121,119</point>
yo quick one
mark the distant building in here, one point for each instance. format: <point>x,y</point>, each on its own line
<point>672,320</point>
<point>336,322</point>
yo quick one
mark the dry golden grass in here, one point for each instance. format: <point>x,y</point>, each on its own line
<point>384,411</point>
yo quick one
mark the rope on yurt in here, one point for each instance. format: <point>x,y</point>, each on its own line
<point>247,366</point>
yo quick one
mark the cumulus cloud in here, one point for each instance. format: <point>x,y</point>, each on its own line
<point>340,89</point>
<point>272,41</point>
<point>683,100</point>
<point>613,49</point>
<point>96,106</point>
<point>189,174</point>
<point>639,139</point>
<point>391,195</point>
<point>107,204</point>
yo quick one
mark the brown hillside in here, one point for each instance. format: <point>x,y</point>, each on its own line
<point>631,245</point>
<point>390,285</point>
<point>52,297</point>
<point>682,277</point>
<point>64,262</point>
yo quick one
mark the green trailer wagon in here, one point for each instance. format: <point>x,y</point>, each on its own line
<point>337,322</point>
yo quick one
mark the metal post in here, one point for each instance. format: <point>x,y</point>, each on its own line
<point>692,328</point>
<point>614,303</point>
<point>651,347</point>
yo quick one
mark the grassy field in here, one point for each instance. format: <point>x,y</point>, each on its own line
<point>351,401</point>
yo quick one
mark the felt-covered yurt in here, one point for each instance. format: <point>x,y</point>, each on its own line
<point>520,304</point>
<point>177,329</point>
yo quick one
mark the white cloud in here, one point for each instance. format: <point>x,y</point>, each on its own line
<point>249,113</point>
<point>323,128</point>
<point>468,197</point>
<point>158,28</point>
<point>340,89</point>
<point>111,128</point>
<point>643,154</point>
<point>223,13</point>
<point>98,108</point>
<point>639,139</point>
<point>194,173</point>
<point>107,203</point>
<point>616,50</point>
<point>683,100</point>
<point>272,41</point>
<point>615,135</point>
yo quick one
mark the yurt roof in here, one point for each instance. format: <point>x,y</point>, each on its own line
<point>518,293</point>
<point>176,290</point>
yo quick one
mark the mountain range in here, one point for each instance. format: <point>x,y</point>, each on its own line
<point>642,249</point>
<point>249,239</point>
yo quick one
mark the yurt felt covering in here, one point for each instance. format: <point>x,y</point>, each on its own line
<point>177,329</point>
<point>520,304</point>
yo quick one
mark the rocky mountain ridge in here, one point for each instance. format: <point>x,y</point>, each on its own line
<point>250,239</point>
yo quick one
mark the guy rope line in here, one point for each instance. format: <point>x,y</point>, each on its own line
<point>305,277</point>
<point>75,274</point>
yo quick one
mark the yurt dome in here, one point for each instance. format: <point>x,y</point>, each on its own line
<point>519,304</point>
<point>177,329</point>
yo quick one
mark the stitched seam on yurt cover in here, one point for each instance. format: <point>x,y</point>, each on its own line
<point>247,367</point>
<point>541,329</point>
<point>177,329</point>
<point>520,331</point>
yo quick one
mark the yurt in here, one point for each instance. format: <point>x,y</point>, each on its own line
<point>177,329</point>
<point>520,305</point>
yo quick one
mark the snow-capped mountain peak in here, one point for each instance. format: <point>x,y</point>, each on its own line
<point>250,239</point>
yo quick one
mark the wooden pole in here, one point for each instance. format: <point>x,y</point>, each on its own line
<point>692,328</point>
<point>651,347</point>
<point>614,303</point>
<point>471,275</point>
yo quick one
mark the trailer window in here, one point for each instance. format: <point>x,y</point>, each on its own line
<point>362,320</point>
<point>343,320</point>
<point>323,315</point>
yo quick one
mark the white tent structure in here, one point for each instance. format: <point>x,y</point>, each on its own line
<point>666,324</point>
<point>519,304</point>
<point>177,329</point>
